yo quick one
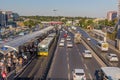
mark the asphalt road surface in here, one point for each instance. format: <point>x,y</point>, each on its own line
<point>67,59</point>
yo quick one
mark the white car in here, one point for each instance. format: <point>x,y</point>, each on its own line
<point>87,54</point>
<point>78,74</point>
<point>69,44</point>
<point>62,40</point>
<point>88,39</point>
<point>112,57</point>
<point>61,44</point>
<point>68,39</point>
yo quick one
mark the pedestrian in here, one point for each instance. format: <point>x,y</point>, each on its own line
<point>1,78</point>
<point>96,74</point>
<point>4,75</point>
<point>9,67</point>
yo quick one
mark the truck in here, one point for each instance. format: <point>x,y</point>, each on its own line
<point>77,38</point>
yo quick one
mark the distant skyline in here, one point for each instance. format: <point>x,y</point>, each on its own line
<point>88,8</point>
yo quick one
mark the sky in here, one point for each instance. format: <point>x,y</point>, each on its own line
<point>88,8</point>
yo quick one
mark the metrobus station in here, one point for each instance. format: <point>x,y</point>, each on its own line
<point>17,52</point>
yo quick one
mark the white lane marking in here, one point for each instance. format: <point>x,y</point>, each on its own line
<point>77,49</point>
<point>68,71</point>
<point>85,66</point>
<point>82,59</point>
<point>68,65</point>
<point>90,76</point>
<point>67,59</point>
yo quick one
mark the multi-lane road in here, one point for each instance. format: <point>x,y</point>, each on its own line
<point>94,43</point>
<point>67,59</point>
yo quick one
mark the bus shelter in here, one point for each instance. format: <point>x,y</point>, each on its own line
<point>8,58</point>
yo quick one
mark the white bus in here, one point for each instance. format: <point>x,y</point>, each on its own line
<point>103,45</point>
<point>110,73</point>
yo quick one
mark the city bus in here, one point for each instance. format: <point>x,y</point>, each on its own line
<point>103,45</point>
<point>44,46</point>
<point>110,73</point>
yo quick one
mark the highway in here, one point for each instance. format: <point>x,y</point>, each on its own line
<point>67,59</point>
<point>94,42</point>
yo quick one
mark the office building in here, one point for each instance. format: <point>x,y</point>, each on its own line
<point>111,15</point>
<point>3,19</point>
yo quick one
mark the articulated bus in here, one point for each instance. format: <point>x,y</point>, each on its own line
<point>103,45</point>
<point>44,46</point>
<point>110,73</point>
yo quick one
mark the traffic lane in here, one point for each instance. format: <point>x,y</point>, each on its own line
<point>86,62</point>
<point>90,68</point>
<point>85,35</point>
<point>83,32</point>
<point>58,70</point>
<point>104,54</point>
<point>111,42</point>
<point>76,61</point>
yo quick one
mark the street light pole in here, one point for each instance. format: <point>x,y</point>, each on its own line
<point>55,10</point>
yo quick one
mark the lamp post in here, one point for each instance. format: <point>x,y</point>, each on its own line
<point>55,10</point>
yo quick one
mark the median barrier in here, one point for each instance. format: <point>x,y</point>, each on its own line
<point>94,48</point>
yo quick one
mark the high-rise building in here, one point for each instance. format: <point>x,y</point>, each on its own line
<point>15,16</point>
<point>0,18</point>
<point>8,18</point>
<point>3,18</point>
<point>9,15</point>
<point>111,15</point>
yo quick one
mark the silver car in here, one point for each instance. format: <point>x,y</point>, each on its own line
<point>78,74</point>
<point>69,44</point>
<point>112,57</point>
<point>87,54</point>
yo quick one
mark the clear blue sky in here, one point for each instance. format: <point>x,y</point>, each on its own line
<point>89,8</point>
